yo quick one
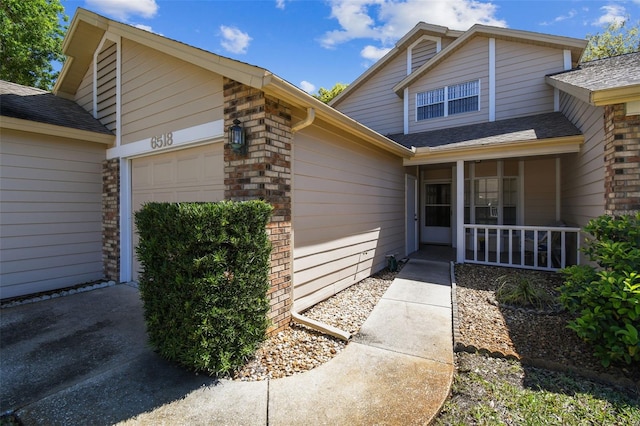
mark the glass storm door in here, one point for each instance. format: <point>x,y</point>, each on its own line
<point>437,213</point>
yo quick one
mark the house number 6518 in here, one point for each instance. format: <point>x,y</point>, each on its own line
<point>162,141</point>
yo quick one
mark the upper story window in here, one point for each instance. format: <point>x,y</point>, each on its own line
<point>448,100</point>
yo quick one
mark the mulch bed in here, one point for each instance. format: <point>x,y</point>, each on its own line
<point>538,337</point>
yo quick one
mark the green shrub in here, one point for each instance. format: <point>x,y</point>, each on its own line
<point>204,280</point>
<point>607,300</point>
<point>522,289</point>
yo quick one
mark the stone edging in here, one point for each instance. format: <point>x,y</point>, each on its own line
<point>458,346</point>
<point>62,293</point>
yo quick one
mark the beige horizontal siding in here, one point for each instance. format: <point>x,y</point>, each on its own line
<point>348,213</point>
<point>520,86</point>
<point>539,191</point>
<point>469,63</point>
<point>420,54</point>
<point>583,173</point>
<point>161,93</point>
<point>50,213</point>
<point>375,104</point>
<point>106,86</point>
<point>84,94</point>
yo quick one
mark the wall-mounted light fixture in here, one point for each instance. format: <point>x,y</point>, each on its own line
<point>237,139</point>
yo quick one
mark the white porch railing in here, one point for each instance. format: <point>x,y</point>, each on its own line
<point>546,248</point>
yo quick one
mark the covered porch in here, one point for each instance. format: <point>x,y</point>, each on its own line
<point>497,199</point>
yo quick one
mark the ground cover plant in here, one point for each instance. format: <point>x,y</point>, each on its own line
<point>498,391</point>
<point>524,365</point>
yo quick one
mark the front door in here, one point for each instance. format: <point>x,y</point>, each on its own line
<point>436,218</point>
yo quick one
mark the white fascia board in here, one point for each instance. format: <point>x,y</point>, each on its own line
<point>183,138</point>
<point>426,155</point>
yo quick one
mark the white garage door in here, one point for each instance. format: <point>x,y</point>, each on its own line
<point>193,174</point>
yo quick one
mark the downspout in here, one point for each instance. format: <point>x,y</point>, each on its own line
<point>311,115</point>
<point>319,326</point>
<point>296,316</point>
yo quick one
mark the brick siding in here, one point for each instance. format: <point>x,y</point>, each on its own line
<point>264,173</point>
<point>622,161</point>
<point>111,219</point>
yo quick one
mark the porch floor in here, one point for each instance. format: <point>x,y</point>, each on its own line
<point>437,253</point>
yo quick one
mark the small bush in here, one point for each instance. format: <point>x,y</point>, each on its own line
<point>607,300</point>
<point>204,280</point>
<point>523,290</point>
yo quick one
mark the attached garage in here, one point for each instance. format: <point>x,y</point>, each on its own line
<point>51,156</point>
<point>190,174</point>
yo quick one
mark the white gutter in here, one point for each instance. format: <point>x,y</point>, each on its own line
<point>311,115</point>
<point>317,325</point>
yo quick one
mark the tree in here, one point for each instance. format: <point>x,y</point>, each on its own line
<point>30,40</point>
<point>327,95</point>
<point>616,39</point>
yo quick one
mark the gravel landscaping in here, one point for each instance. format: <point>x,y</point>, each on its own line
<point>298,348</point>
<point>534,336</point>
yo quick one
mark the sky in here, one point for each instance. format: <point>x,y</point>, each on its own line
<point>318,43</point>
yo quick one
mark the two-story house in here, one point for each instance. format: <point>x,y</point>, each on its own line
<point>510,147</point>
<point>485,140</point>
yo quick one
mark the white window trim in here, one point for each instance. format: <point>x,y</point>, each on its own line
<point>500,176</point>
<point>446,100</point>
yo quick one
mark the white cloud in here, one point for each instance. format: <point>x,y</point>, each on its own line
<point>388,20</point>
<point>146,28</point>
<point>280,4</point>
<point>123,9</point>
<point>234,40</point>
<point>374,53</point>
<point>572,13</point>
<point>307,87</point>
<point>612,13</point>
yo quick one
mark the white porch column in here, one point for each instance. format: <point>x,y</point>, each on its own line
<point>126,222</point>
<point>460,211</point>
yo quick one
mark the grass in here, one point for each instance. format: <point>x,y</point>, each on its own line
<point>487,391</point>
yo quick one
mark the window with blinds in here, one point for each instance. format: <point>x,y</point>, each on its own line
<point>448,100</point>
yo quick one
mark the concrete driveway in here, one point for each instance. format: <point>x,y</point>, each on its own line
<point>84,359</point>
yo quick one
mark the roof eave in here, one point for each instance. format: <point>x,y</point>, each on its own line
<point>365,76</point>
<point>490,151</point>
<point>616,95</point>
<point>573,90</point>
<point>295,96</point>
<point>576,46</point>
<point>80,53</point>
<point>55,130</point>
<point>400,46</point>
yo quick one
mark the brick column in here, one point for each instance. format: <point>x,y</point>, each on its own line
<point>111,219</point>
<point>264,173</point>
<point>622,161</point>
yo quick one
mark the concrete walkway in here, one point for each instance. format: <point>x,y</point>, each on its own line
<point>84,360</point>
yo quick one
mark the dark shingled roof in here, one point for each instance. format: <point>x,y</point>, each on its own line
<point>534,127</point>
<point>602,74</point>
<point>29,103</point>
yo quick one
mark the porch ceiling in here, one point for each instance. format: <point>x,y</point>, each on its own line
<point>542,134</point>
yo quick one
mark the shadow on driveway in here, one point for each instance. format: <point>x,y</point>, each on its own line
<point>84,359</point>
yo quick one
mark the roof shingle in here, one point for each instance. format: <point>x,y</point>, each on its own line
<point>534,127</point>
<point>29,103</point>
<point>609,73</point>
